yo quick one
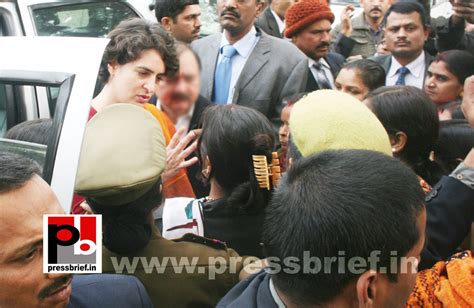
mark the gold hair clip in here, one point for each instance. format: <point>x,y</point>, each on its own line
<point>263,171</point>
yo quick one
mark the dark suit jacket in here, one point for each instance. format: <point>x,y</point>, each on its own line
<point>201,104</point>
<point>386,61</point>
<point>105,290</point>
<point>335,62</point>
<point>267,22</point>
<point>194,171</point>
<point>449,215</point>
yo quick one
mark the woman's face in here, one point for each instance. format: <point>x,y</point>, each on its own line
<point>350,82</point>
<point>284,131</point>
<point>135,82</point>
<point>441,85</point>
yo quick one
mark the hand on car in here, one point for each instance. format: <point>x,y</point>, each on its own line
<point>177,151</point>
<point>346,23</point>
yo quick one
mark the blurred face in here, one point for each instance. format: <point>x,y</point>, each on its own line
<point>179,94</point>
<point>349,81</point>
<point>440,84</point>
<point>187,25</point>
<point>314,40</point>
<point>405,35</point>
<point>22,281</point>
<point>375,9</point>
<point>391,294</point>
<point>135,82</point>
<point>284,131</point>
<point>237,16</point>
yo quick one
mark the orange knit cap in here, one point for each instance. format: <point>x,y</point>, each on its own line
<point>304,13</point>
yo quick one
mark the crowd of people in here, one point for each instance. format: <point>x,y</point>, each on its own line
<point>293,162</point>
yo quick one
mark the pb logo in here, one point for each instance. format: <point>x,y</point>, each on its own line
<point>72,243</point>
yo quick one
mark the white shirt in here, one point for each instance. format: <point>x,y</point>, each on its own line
<point>280,23</point>
<point>184,120</point>
<point>414,78</point>
<point>326,68</point>
<point>244,48</point>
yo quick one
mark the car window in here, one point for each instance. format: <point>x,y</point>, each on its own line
<point>13,109</point>
<point>91,19</point>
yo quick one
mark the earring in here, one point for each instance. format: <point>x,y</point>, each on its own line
<point>205,173</point>
<point>394,149</point>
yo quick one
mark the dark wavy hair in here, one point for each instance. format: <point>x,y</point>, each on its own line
<point>408,109</point>
<point>133,36</point>
<point>231,134</point>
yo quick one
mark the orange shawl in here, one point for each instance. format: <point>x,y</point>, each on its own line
<point>179,185</point>
<point>446,284</point>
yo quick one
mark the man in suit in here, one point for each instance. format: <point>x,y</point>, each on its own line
<point>24,198</point>
<point>179,98</point>
<point>308,25</point>
<point>405,31</point>
<point>182,18</point>
<point>272,19</point>
<point>245,66</point>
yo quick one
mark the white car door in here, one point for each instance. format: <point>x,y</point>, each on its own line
<point>66,68</point>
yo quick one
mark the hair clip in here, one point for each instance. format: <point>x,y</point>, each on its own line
<point>263,171</point>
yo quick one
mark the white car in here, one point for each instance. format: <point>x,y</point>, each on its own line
<point>65,70</point>
<point>89,18</point>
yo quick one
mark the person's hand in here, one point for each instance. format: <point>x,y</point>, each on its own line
<point>462,10</point>
<point>346,23</point>
<point>468,100</point>
<point>177,151</point>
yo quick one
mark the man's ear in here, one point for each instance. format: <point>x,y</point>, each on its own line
<point>166,23</point>
<point>398,142</point>
<point>366,289</point>
<point>259,8</point>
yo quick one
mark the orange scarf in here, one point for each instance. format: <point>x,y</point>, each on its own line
<point>446,284</point>
<point>179,185</point>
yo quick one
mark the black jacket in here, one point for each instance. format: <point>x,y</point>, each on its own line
<point>335,62</point>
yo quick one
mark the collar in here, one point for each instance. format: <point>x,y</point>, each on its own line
<point>243,46</point>
<point>321,61</point>
<point>275,295</point>
<point>280,23</point>
<point>416,66</point>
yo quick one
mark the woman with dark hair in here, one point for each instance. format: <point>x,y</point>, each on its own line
<point>234,141</point>
<point>456,139</point>
<point>411,121</point>
<point>358,78</point>
<point>445,80</point>
<point>124,189</point>
<point>137,56</point>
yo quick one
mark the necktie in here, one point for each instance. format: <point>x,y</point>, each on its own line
<point>223,75</point>
<point>321,77</point>
<point>402,72</point>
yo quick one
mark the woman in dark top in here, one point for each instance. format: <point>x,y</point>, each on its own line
<point>233,211</point>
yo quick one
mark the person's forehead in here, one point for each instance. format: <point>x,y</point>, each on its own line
<point>22,210</point>
<point>402,19</point>
<point>188,61</point>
